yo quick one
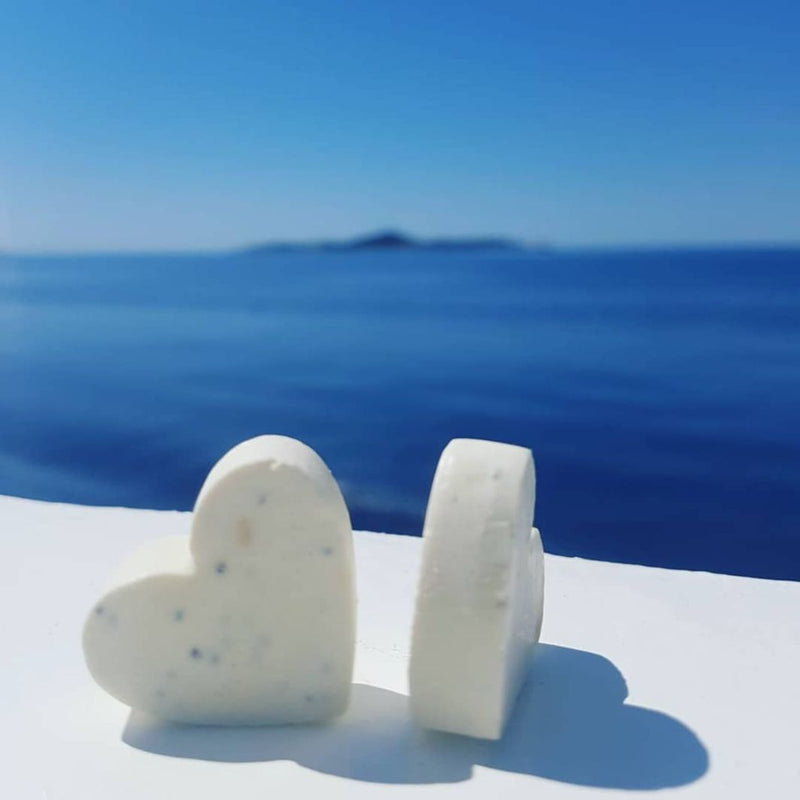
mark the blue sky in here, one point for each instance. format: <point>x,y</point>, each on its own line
<point>190,125</point>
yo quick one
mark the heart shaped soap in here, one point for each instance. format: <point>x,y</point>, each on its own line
<point>252,619</point>
<point>479,601</point>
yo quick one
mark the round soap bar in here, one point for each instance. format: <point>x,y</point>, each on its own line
<point>479,602</point>
<point>253,620</point>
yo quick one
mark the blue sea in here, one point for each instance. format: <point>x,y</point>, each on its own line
<point>658,390</point>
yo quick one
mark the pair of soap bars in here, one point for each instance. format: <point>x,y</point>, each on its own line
<point>252,621</point>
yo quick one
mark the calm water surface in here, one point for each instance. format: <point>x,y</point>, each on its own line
<point>659,391</point>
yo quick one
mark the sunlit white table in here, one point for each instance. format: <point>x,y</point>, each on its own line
<point>648,679</point>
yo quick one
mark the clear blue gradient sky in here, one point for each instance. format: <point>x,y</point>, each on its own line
<point>192,125</point>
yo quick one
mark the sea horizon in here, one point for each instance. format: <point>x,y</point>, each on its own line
<point>550,246</point>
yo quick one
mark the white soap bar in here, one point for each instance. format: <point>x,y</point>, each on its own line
<point>479,601</point>
<point>253,620</point>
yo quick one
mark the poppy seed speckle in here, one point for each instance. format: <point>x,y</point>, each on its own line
<point>100,610</point>
<point>178,615</point>
<point>221,568</point>
<point>327,551</point>
<point>196,653</point>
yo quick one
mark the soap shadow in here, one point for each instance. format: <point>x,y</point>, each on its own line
<point>570,724</point>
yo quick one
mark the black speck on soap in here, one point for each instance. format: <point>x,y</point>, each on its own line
<point>178,615</point>
<point>196,653</point>
<point>221,568</point>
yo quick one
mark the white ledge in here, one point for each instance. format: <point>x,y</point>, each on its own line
<point>710,662</point>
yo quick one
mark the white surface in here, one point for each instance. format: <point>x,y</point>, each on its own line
<point>710,661</point>
<point>256,623</point>
<point>479,600</point>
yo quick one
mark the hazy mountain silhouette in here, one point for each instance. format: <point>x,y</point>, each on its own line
<point>391,240</point>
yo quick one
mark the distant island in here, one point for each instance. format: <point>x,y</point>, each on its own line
<point>395,240</point>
